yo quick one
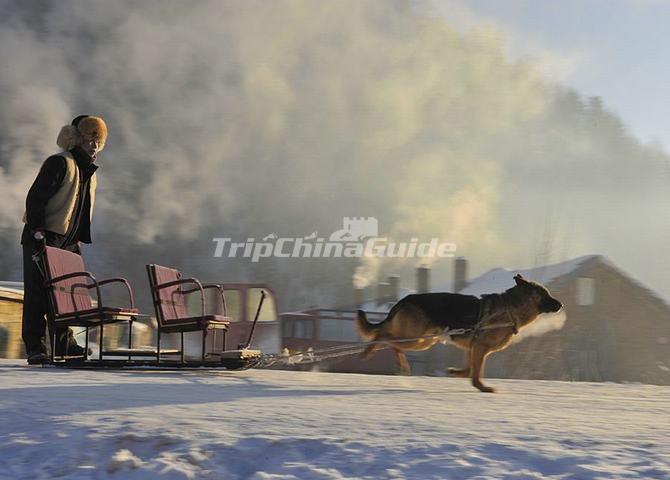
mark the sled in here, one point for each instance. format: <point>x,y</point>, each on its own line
<point>68,286</point>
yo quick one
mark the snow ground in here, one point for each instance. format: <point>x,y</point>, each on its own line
<point>262,424</point>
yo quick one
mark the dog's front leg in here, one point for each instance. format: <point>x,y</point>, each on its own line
<point>478,355</point>
<point>402,362</point>
<point>461,372</point>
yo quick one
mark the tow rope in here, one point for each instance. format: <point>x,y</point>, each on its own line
<point>310,355</point>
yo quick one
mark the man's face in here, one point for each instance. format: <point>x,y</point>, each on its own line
<point>91,145</point>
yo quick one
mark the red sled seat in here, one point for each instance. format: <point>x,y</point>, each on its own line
<point>70,304</point>
<point>169,298</point>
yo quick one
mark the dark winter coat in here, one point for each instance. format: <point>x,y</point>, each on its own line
<point>46,185</point>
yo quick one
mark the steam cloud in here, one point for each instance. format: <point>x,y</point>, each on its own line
<point>545,323</point>
<point>238,119</point>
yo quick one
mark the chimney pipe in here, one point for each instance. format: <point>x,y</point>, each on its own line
<point>358,297</point>
<point>382,293</point>
<point>460,274</point>
<point>423,279</point>
<point>394,288</point>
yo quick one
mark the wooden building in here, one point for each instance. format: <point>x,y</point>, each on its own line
<point>11,307</point>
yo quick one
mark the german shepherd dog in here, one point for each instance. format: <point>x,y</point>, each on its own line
<point>417,322</point>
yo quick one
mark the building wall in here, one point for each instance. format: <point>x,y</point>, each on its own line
<point>11,345</point>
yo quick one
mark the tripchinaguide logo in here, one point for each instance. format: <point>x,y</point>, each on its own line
<point>359,237</point>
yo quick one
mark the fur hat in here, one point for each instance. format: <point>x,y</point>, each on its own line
<point>71,135</point>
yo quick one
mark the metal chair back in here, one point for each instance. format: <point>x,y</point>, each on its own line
<point>65,297</point>
<point>170,302</point>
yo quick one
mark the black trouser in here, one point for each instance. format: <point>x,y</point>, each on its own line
<point>35,299</point>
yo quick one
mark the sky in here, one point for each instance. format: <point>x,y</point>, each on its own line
<point>614,49</point>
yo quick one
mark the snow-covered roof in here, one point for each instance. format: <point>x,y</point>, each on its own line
<point>500,279</point>
<point>373,306</point>
<point>12,290</point>
<point>297,314</point>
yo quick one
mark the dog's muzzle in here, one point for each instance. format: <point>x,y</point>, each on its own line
<point>553,306</point>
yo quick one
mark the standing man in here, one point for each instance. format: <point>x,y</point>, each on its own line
<point>59,207</point>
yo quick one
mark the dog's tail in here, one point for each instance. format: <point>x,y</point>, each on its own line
<point>365,329</point>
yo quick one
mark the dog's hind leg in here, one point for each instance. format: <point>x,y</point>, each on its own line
<point>402,362</point>
<point>461,372</point>
<point>370,350</point>
<point>478,355</point>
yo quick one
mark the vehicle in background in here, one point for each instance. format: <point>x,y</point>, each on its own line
<point>242,300</point>
<point>325,328</point>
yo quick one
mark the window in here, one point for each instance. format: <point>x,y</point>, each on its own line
<point>268,311</point>
<point>337,330</point>
<point>213,302</point>
<point>233,306</point>
<point>295,328</point>
<point>287,328</point>
<point>586,291</point>
<point>303,329</point>
<point>4,342</point>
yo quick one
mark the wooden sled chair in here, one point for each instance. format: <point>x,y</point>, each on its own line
<point>169,298</point>
<point>68,285</point>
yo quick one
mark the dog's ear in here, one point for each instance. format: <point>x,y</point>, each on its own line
<point>519,279</point>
